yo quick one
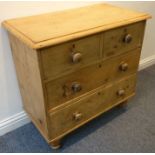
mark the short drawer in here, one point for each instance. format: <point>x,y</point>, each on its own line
<point>78,113</point>
<point>119,40</point>
<point>68,57</point>
<point>78,83</point>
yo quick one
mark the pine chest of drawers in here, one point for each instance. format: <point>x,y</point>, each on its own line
<point>74,65</point>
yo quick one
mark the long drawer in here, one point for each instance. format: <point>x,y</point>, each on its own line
<point>80,82</point>
<point>77,113</point>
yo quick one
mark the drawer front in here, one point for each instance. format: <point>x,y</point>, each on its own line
<point>117,41</point>
<point>69,56</point>
<point>68,87</point>
<point>79,112</point>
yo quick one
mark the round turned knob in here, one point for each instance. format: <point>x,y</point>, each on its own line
<point>76,57</point>
<point>76,87</point>
<point>127,38</point>
<point>77,116</point>
<point>123,67</point>
<point>121,92</point>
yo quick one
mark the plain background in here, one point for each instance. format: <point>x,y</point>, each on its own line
<point>11,112</point>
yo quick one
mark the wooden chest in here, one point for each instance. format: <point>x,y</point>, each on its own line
<point>74,65</point>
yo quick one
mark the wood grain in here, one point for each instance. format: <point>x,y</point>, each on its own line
<point>60,90</point>
<point>30,83</point>
<point>59,95</point>
<point>63,120</point>
<point>78,22</point>
<point>114,39</point>
<point>57,60</point>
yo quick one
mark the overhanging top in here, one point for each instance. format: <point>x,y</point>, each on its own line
<point>48,29</point>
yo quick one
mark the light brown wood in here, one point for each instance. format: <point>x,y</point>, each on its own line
<point>99,74</point>
<point>72,71</point>
<point>114,40</point>
<point>57,60</point>
<point>63,120</point>
<point>78,22</point>
<point>28,74</point>
<point>56,144</point>
<point>93,117</point>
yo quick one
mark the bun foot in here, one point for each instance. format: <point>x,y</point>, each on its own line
<point>123,104</point>
<point>55,144</point>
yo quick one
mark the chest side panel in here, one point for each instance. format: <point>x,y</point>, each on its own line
<point>29,80</point>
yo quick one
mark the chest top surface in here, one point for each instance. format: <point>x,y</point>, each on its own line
<point>52,28</point>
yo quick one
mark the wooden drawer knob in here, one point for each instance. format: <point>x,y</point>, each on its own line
<point>77,116</point>
<point>127,38</point>
<point>121,92</point>
<point>123,67</point>
<point>76,87</point>
<point>76,57</point>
